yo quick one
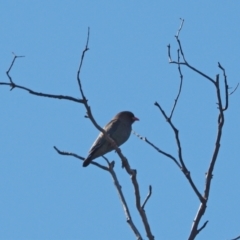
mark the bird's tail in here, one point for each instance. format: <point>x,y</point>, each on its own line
<point>87,161</point>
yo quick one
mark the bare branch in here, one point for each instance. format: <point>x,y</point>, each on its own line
<point>179,43</point>
<point>194,231</point>
<point>180,28</point>
<point>184,59</point>
<point>204,199</point>
<point>217,143</point>
<point>80,158</point>
<point>234,89</point>
<point>176,134</point>
<point>159,150</point>
<point>123,201</point>
<point>180,87</point>
<point>138,205</point>
<point>209,174</point>
<point>169,53</point>
<point>203,226</point>
<point>116,183</point>
<point>195,70</point>
<point>125,163</point>
<point>148,196</point>
<point>225,86</point>
<point>8,71</point>
<point>183,166</point>
<point>89,115</point>
<point>203,204</point>
<point>80,67</point>
<point>88,109</point>
<point>13,85</point>
<point>108,162</point>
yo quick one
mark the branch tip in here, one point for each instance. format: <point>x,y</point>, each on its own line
<point>148,196</point>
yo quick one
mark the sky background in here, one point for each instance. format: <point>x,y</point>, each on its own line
<point>48,196</point>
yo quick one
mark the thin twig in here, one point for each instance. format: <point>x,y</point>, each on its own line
<point>195,70</point>
<point>184,59</point>
<point>180,87</point>
<point>180,28</point>
<point>158,149</point>
<point>177,38</point>
<point>8,71</point>
<point>13,85</point>
<point>203,226</point>
<point>176,134</point>
<point>113,163</point>
<point>234,89</point>
<point>80,67</point>
<point>169,53</point>
<point>225,86</point>
<point>148,196</point>
<point>80,158</point>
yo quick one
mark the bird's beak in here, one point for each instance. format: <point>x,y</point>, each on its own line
<point>135,119</point>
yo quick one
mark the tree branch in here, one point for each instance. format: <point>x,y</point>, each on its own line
<point>183,166</point>
<point>116,183</point>
<point>203,200</point>
<point>180,87</point>
<point>79,157</point>
<point>123,201</point>
<point>148,196</point>
<point>225,86</point>
<point>125,163</point>
<point>159,150</point>
<point>184,59</point>
<point>234,89</point>
<point>13,85</point>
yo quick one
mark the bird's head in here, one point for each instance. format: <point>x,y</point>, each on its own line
<point>127,116</point>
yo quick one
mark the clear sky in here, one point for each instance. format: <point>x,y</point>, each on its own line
<point>48,196</point>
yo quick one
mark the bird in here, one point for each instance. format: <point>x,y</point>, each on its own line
<point>119,129</point>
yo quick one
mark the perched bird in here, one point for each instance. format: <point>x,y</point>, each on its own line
<point>119,129</point>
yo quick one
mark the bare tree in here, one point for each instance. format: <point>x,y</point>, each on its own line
<point>222,96</point>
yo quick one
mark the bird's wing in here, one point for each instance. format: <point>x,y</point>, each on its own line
<point>110,128</point>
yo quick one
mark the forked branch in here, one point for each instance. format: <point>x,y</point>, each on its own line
<point>203,198</point>
<point>132,172</point>
<point>195,230</point>
<point>110,169</point>
<point>13,85</point>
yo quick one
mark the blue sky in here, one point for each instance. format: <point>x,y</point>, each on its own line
<point>48,196</point>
